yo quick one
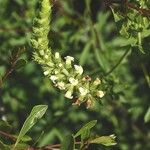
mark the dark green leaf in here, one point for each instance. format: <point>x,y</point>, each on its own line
<point>88,126</point>
<point>20,63</point>
<point>4,126</point>
<point>68,143</point>
<point>4,146</point>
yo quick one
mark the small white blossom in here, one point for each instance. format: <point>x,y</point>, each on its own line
<point>46,72</point>
<point>57,55</point>
<point>73,81</point>
<point>42,52</point>
<point>89,103</point>
<point>53,78</point>
<point>69,59</point>
<point>83,91</point>
<point>78,69</point>
<point>61,85</point>
<point>69,94</point>
<point>97,81</point>
<point>100,94</point>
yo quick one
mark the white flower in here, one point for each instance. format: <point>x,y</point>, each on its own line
<point>53,78</point>
<point>68,60</point>
<point>73,81</point>
<point>42,52</point>
<point>83,91</point>
<point>78,69</point>
<point>69,94</point>
<point>88,103</point>
<point>97,81</point>
<point>61,85</point>
<point>46,72</point>
<point>57,55</point>
<point>100,94</point>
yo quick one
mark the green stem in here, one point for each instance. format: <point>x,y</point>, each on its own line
<point>118,63</point>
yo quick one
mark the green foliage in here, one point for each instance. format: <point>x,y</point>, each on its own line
<point>133,22</point>
<point>104,140</point>
<point>68,143</point>
<point>147,116</point>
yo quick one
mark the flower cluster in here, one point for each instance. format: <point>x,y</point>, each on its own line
<point>64,74</point>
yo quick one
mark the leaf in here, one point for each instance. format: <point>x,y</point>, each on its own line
<point>21,146</point>
<point>68,143</point>
<point>87,126</point>
<point>20,63</point>
<point>147,116</point>
<point>36,113</point>
<point>4,126</point>
<point>104,140</point>
<point>85,53</point>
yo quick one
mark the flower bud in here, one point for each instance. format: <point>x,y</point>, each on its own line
<point>73,81</point>
<point>69,94</point>
<point>83,91</point>
<point>79,69</point>
<point>100,94</point>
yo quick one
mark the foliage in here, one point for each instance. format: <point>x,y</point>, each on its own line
<point>85,30</point>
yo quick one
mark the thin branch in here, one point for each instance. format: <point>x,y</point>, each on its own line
<point>118,63</point>
<point>8,136</point>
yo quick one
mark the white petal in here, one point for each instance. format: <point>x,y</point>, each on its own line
<point>69,94</point>
<point>83,91</point>
<point>57,55</point>
<point>78,69</point>
<point>73,81</point>
<point>46,72</point>
<point>100,94</point>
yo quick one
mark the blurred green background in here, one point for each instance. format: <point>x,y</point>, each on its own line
<point>72,26</point>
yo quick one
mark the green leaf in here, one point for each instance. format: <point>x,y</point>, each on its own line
<point>147,116</point>
<point>104,140</point>
<point>36,113</point>
<point>68,143</point>
<point>20,63</point>
<point>85,53</point>
<point>21,146</point>
<point>4,126</point>
<point>88,126</point>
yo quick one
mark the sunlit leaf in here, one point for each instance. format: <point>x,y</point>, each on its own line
<point>36,113</point>
<point>104,140</point>
<point>147,116</point>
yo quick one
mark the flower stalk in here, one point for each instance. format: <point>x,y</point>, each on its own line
<point>64,74</point>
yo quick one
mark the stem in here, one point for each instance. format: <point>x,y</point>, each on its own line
<point>8,136</point>
<point>118,63</point>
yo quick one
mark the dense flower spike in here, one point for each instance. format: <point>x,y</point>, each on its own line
<point>62,72</point>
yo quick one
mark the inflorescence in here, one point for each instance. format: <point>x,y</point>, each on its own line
<point>64,74</point>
